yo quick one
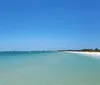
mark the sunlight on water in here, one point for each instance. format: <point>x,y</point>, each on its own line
<point>49,68</point>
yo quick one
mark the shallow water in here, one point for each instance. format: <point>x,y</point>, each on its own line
<point>48,68</point>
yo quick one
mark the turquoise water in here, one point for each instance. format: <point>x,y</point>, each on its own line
<point>48,68</point>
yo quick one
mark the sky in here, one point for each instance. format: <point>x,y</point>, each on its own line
<point>49,24</point>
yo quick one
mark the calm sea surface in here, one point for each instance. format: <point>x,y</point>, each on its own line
<point>48,68</point>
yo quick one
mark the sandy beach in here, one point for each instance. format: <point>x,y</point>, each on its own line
<point>92,54</point>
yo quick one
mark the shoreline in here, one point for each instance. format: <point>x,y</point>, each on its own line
<point>91,54</point>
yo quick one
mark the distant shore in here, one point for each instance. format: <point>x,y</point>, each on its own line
<point>92,54</point>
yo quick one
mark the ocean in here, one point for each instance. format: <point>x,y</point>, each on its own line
<point>48,68</point>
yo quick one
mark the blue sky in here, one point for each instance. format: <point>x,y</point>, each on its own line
<point>49,24</point>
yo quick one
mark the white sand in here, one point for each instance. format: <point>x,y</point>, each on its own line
<point>92,54</point>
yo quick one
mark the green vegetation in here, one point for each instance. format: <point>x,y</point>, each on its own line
<point>91,50</point>
<point>84,50</point>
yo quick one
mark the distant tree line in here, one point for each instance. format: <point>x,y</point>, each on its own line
<point>92,50</point>
<point>85,50</point>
